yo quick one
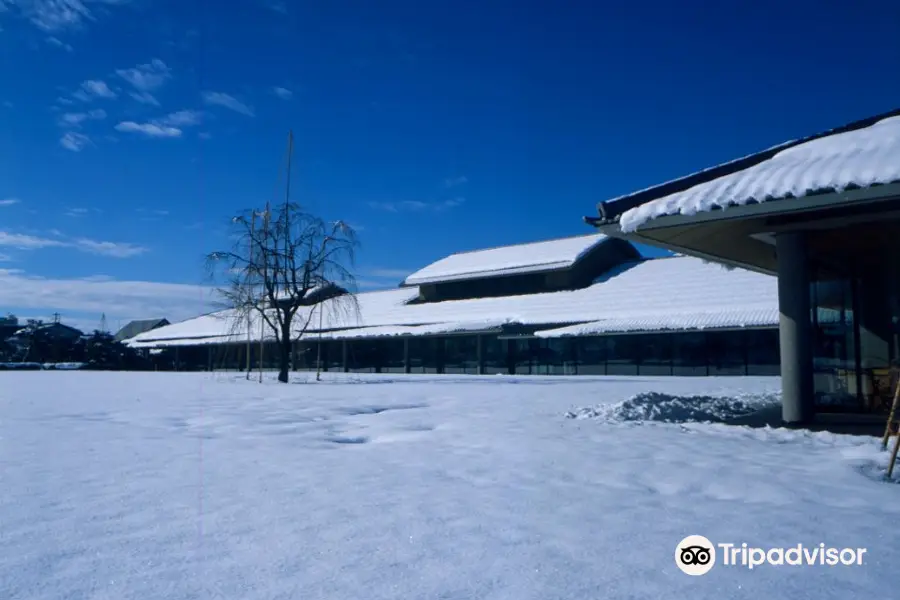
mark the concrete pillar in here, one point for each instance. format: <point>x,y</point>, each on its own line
<point>795,329</point>
<point>406,365</point>
<point>344,364</point>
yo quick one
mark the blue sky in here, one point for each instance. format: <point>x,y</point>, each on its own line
<point>131,130</point>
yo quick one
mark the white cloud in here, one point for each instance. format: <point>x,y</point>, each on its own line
<point>74,141</point>
<point>149,129</point>
<point>169,126</point>
<point>152,214</point>
<point>183,118</point>
<point>27,242</point>
<point>92,296</point>
<point>31,242</point>
<point>283,93</point>
<point>5,258</point>
<point>227,101</point>
<point>9,201</point>
<point>417,205</point>
<point>93,88</point>
<point>112,249</point>
<point>57,15</point>
<point>76,119</point>
<point>55,41</point>
<point>76,212</point>
<point>145,98</point>
<point>146,77</point>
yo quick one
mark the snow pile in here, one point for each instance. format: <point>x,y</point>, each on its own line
<point>20,366</point>
<point>657,406</point>
<point>65,366</point>
<point>35,366</point>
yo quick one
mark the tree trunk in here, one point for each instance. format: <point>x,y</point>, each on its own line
<point>284,358</point>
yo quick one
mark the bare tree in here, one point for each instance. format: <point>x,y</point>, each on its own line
<point>287,268</point>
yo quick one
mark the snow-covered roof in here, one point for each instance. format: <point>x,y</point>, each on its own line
<point>858,158</point>
<point>507,260</point>
<point>688,320</point>
<point>677,292</point>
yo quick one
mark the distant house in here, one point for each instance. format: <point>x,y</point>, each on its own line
<point>8,327</point>
<point>51,331</point>
<point>141,326</point>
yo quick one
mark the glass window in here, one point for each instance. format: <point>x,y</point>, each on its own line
<point>425,355</point>
<point>726,352</point>
<point>556,356</point>
<point>333,355</point>
<point>305,356</point>
<point>461,354</point>
<point>762,352</point>
<point>591,353</point>
<point>689,353</point>
<point>393,355</point>
<point>495,355</point>
<point>624,355</point>
<point>523,355</point>
<point>834,347</point>
<point>656,353</point>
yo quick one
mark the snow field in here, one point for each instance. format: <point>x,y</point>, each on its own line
<point>178,485</point>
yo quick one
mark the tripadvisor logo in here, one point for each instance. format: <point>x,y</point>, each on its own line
<point>696,555</point>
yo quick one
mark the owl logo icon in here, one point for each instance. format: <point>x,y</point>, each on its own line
<point>695,555</point>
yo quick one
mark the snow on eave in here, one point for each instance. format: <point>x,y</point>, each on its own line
<point>514,259</point>
<point>410,330</point>
<point>852,159</point>
<point>750,317</point>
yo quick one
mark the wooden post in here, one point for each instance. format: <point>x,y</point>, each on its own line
<point>890,420</point>
<point>890,469</point>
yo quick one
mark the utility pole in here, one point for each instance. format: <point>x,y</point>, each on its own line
<point>287,224</point>
<point>265,258</point>
<point>250,286</point>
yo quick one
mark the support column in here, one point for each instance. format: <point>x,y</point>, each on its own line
<point>406,365</point>
<point>344,366</point>
<point>795,329</point>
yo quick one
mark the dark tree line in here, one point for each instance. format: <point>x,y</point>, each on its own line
<point>35,343</point>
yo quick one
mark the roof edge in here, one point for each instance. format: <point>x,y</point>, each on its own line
<point>609,211</point>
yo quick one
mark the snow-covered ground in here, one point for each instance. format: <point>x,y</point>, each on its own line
<point>143,486</point>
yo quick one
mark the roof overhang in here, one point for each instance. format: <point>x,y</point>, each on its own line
<point>743,236</point>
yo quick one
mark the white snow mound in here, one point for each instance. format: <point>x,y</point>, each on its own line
<point>656,406</point>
